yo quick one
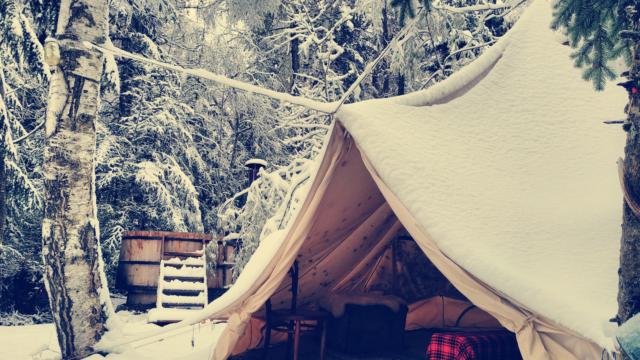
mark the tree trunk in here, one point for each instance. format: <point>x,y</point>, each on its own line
<point>236,139</point>
<point>3,187</point>
<point>295,60</point>
<point>74,277</point>
<point>401,84</point>
<point>629,271</point>
<point>4,127</point>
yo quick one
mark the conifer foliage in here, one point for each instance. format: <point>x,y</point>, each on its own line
<point>603,31</point>
<point>593,28</point>
<point>23,83</point>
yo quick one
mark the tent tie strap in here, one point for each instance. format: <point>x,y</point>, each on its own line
<point>525,323</point>
<point>237,322</point>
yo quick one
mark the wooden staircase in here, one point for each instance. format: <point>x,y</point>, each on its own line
<point>182,286</point>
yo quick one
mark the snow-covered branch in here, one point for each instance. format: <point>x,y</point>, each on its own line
<point>471,8</point>
<point>223,80</point>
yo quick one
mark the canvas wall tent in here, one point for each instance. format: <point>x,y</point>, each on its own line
<point>504,174</point>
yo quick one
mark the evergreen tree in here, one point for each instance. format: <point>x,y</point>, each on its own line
<point>448,35</point>
<point>408,7</point>
<point>171,149</point>
<point>594,28</point>
<point>146,156</point>
<point>23,83</point>
<point>317,49</point>
<point>604,31</point>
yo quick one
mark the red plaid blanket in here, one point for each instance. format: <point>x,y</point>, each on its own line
<point>473,346</point>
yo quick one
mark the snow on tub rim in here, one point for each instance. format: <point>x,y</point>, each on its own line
<point>256,161</point>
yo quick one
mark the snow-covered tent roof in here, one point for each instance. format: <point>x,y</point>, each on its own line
<point>513,174</point>
<point>504,174</point>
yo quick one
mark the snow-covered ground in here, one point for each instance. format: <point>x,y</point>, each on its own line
<point>38,342</point>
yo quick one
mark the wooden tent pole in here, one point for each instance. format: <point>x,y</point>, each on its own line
<point>394,268</point>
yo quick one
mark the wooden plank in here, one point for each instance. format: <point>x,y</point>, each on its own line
<point>187,305</point>
<point>176,265</point>
<point>137,249</point>
<point>194,278</point>
<point>183,246</point>
<point>157,235</point>
<point>182,292</point>
<point>182,253</point>
<point>140,262</point>
<point>141,274</point>
<point>143,289</point>
<point>168,238</point>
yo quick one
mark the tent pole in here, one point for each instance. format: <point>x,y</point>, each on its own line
<point>294,285</point>
<point>394,269</point>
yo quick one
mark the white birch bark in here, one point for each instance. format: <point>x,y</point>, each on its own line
<point>75,283</point>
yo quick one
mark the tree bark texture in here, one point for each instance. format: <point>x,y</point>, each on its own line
<point>295,60</point>
<point>629,271</point>
<point>3,187</point>
<point>4,127</point>
<point>70,234</point>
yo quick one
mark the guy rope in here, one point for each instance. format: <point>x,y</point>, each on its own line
<point>324,107</point>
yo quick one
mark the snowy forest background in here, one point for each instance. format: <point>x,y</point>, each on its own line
<point>171,149</point>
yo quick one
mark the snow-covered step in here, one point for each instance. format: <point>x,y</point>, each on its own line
<point>182,292</point>
<point>179,265</point>
<point>184,306</point>
<point>184,271</point>
<point>191,261</point>
<point>181,299</point>
<point>177,300</point>
<point>182,287</point>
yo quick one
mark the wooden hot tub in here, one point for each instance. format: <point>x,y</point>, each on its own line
<point>140,255</point>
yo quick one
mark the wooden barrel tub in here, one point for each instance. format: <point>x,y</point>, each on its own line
<point>140,255</point>
<point>225,261</point>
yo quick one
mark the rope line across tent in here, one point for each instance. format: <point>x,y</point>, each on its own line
<point>324,107</point>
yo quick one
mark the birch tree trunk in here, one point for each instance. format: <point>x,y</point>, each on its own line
<point>74,277</point>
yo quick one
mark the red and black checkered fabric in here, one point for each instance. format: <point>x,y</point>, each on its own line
<point>473,346</point>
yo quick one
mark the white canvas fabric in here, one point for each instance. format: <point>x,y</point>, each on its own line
<point>516,179</point>
<point>505,176</point>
